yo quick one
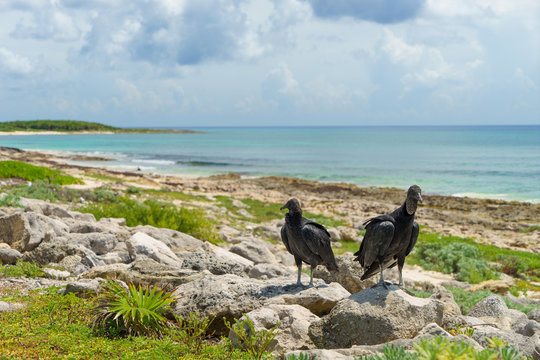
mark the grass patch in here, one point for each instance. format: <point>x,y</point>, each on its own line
<point>346,246</point>
<point>530,229</point>
<point>103,177</point>
<point>19,169</point>
<point>21,269</point>
<point>267,211</point>
<point>56,326</point>
<point>171,195</point>
<point>155,213</point>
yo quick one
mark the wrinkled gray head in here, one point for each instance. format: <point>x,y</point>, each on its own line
<point>414,195</point>
<point>293,205</point>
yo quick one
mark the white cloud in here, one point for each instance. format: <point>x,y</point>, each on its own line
<point>14,64</point>
<point>524,80</point>
<point>401,52</point>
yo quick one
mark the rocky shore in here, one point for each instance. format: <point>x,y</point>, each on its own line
<point>340,317</point>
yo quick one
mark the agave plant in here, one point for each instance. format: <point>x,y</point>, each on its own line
<point>137,310</point>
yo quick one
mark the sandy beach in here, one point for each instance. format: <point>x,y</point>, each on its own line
<point>496,222</point>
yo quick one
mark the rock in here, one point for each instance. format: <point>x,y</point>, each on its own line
<point>227,232</point>
<point>142,244</point>
<point>83,287</point>
<point>432,329</point>
<point>144,271</point>
<point>266,231</point>
<point>524,344</point>
<point>493,305</point>
<point>245,213</point>
<point>292,323</point>
<point>254,250</point>
<point>56,274</point>
<point>229,296</point>
<point>453,321</point>
<point>83,216</point>
<point>20,234</point>
<point>214,259</point>
<point>175,240</point>
<point>9,256</point>
<point>238,204</point>
<point>285,258</point>
<point>319,300</point>
<point>534,315</point>
<point>348,276</point>
<point>45,208</point>
<point>374,316</point>
<point>334,234</point>
<point>99,243</point>
<point>116,257</point>
<point>268,271</point>
<point>496,286</point>
<point>72,263</point>
<point>4,246</point>
<point>7,306</point>
<point>527,327</point>
<point>450,305</point>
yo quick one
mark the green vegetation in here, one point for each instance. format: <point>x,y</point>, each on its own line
<point>193,331</point>
<point>531,229</point>
<point>22,268</point>
<point>54,326</point>
<point>137,310</point>
<point>255,343</point>
<point>19,169</point>
<point>461,259</point>
<point>441,347</point>
<point>155,213</point>
<point>74,126</point>
<point>346,246</point>
<point>528,262</point>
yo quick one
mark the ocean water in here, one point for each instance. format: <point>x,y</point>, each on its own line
<point>501,162</point>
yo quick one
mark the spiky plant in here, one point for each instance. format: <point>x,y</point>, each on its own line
<point>138,310</point>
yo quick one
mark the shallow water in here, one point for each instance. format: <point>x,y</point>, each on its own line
<point>480,161</point>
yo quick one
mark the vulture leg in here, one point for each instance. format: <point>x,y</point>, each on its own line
<point>401,262</point>
<point>311,278</point>
<point>381,280</point>
<point>299,265</point>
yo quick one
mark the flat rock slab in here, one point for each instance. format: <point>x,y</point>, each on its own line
<point>7,306</point>
<point>375,316</point>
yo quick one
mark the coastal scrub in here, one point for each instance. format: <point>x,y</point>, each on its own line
<point>19,169</point>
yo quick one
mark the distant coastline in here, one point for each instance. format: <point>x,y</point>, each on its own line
<point>71,127</point>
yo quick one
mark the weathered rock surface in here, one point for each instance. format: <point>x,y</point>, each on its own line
<point>446,297</point>
<point>143,244</point>
<point>493,305</point>
<point>319,300</point>
<point>217,260</point>
<point>175,240</point>
<point>229,296</point>
<point>9,256</point>
<point>375,316</point>
<point>526,344</point>
<point>292,323</point>
<point>348,276</point>
<point>9,306</point>
<point>269,271</point>
<point>254,250</point>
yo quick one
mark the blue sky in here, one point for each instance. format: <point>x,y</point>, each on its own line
<point>283,62</point>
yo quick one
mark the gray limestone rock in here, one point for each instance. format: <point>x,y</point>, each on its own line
<point>9,256</point>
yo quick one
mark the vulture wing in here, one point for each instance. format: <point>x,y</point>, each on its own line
<point>285,238</point>
<point>317,239</point>
<point>379,234</point>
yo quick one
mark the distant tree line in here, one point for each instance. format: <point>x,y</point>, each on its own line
<point>54,125</point>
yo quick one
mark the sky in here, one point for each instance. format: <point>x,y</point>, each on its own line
<point>190,63</point>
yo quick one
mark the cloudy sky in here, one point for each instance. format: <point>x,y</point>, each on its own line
<point>271,62</point>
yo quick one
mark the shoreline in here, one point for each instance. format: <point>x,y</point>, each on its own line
<point>129,131</point>
<point>498,222</point>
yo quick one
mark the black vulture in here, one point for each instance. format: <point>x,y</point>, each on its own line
<point>390,238</point>
<point>307,240</point>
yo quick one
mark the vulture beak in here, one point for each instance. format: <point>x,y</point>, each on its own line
<point>419,197</point>
<point>283,207</point>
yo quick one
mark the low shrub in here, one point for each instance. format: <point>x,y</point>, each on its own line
<point>464,260</point>
<point>255,343</point>
<point>19,169</point>
<point>137,310</point>
<point>193,331</point>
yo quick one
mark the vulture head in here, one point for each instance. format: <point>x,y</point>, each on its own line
<point>414,195</point>
<point>294,207</point>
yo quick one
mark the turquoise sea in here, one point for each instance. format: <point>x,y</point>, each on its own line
<point>501,162</point>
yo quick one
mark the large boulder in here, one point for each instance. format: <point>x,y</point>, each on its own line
<point>292,323</point>
<point>100,243</point>
<point>526,344</point>
<point>24,232</point>
<point>143,244</point>
<point>348,276</point>
<point>493,305</point>
<point>374,316</point>
<point>230,296</point>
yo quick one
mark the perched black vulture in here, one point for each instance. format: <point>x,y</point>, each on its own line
<point>390,238</point>
<point>307,240</point>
